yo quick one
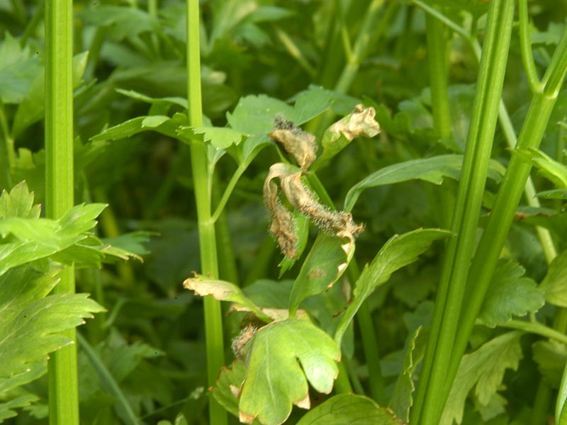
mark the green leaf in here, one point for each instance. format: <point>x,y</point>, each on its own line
<point>170,100</point>
<point>349,409</point>
<point>254,115</point>
<point>283,357</point>
<point>18,203</point>
<point>121,21</point>
<point>13,395</point>
<point>553,194</point>
<point>38,238</point>
<point>433,170</point>
<point>325,264</point>
<point>133,242</point>
<point>397,252</point>
<point>31,108</point>
<point>219,137</point>
<point>160,123</point>
<point>7,408</point>
<point>555,282</point>
<point>18,68</point>
<point>228,384</point>
<point>510,294</point>
<point>551,357</point>
<point>402,397</point>
<point>31,323</point>
<point>552,170</point>
<point>484,370</point>
<point>223,291</point>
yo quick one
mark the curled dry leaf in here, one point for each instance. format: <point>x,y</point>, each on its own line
<point>240,342</point>
<point>361,122</point>
<point>335,222</point>
<point>298,143</point>
<point>283,225</point>
<point>275,314</point>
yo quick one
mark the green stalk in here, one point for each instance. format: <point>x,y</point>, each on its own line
<point>33,23</point>
<point>430,397</point>
<point>7,154</point>
<point>525,47</point>
<point>364,317</point>
<point>437,61</point>
<point>536,328</point>
<point>369,343</point>
<point>203,180</point>
<point>437,53</point>
<point>562,397</point>
<point>63,384</point>
<point>358,53</point>
<point>508,198</point>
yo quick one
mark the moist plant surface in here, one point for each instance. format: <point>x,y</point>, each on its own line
<point>283,212</point>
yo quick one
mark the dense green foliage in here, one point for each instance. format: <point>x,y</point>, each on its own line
<point>366,220</point>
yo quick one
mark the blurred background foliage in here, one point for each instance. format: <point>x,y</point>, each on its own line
<point>130,61</point>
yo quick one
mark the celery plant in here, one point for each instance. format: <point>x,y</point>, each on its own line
<point>203,194</point>
<point>63,385</point>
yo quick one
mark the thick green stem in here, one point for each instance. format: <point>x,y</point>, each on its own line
<point>437,53</point>
<point>202,180</point>
<point>467,211</point>
<point>63,386</point>
<point>7,154</point>
<point>508,198</point>
<point>562,394</point>
<point>510,192</point>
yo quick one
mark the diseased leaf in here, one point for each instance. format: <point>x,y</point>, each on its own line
<point>283,358</point>
<point>398,252</point>
<point>223,291</point>
<point>402,397</point>
<point>555,283</point>
<point>327,261</point>
<point>433,170</point>
<point>349,409</point>
<point>510,294</point>
<point>359,123</point>
<point>301,226</point>
<point>483,370</point>
<point>31,323</point>
<point>227,387</point>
